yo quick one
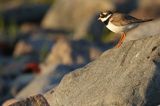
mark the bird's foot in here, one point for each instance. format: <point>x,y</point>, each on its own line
<point>123,36</point>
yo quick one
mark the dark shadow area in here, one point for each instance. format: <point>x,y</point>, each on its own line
<point>153,90</point>
<point>21,14</point>
<point>96,29</point>
<point>126,6</point>
<point>6,48</point>
<point>81,48</point>
<point>62,70</point>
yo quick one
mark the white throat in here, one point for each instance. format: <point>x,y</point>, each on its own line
<point>105,19</point>
<point>119,29</point>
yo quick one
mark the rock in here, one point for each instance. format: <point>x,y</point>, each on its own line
<point>72,16</point>
<point>145,3</point>
<point>46,80</point>
<point>28,27</point>
<point>15,67</point>
<point>65,56</point>
<point>82,23</point>
<point>37,100</point>
<point>60,53</point>
<point>124,76</point>
<point>147,9</point>
<point>149,12</point>
<point>40,44</point>
<point>9,102</point>
<point>6,4</point>
<point>144,30</point>
<point>83,51</point>
<point>70,52</point>
<point>20,82</point>
<point>22,48</point>
<point>94,53</point>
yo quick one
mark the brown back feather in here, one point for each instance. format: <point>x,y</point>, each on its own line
<point>124,19</point>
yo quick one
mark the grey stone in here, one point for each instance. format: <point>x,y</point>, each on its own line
<point>46,80</point>
<point>127,76</point>
<point>20,82</point>
<point>144,30</point>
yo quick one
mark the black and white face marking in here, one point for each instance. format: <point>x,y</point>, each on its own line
<point>104,16</point>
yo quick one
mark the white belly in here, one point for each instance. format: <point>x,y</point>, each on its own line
<point>119,29</point>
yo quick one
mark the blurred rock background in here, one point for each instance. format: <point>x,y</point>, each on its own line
<point>42,40</point>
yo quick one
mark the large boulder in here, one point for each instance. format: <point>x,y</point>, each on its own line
<point>74,15</point>
<point>144,30</point>
<point>126,76</point>
<point>64,57</point>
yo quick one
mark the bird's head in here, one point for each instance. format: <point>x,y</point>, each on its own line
<point>105,15</point>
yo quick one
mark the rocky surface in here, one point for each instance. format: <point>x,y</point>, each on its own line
<point>22,48</point>
<point>124,76</point>
<point>64,57</point>
<point>33,60</point>
<point>144,30</point>
<point>9,102</point>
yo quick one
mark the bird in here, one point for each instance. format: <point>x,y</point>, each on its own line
<point>119,23</point>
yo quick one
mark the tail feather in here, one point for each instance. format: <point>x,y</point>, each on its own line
<point>147,20</point>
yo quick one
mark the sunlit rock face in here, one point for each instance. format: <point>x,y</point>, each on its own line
<point>126,76</point>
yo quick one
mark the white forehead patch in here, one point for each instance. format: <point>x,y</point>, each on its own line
<point>104,13</point>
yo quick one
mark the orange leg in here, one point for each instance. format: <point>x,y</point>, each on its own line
<point>123,36</point>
